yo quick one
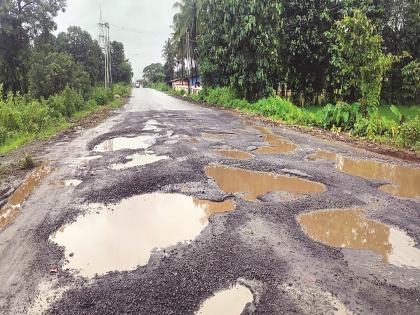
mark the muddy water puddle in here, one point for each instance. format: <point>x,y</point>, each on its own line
<point>138,160</point>
<point>14,205</point>
<point>405,181</point>
<point>254,184</point>
<point>121,237</point>
<point>126,143</point>
<point>227,302</point>
<point>66,183</point>
<point>277,145</point>
<point>235,154</point>
<point>348,228</point>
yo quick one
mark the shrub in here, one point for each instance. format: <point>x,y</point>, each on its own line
<point>121,89</point>
<point>409,134</point>
<point>102,96</point>
<point>3,135</point>
<point>342,115</point>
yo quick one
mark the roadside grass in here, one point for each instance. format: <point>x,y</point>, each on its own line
<point>51,120</point>
<point>381,125</point>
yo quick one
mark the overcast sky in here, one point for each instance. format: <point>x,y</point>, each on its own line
<point>141,25</point>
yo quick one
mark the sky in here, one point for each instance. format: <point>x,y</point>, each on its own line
<point>142,26</point>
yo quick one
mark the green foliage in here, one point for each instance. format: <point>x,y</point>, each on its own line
<point>154,73</point>
<point>409,134</point>
<point>342,115</point>
<point>411,81</point>
<point>52,72</point>
<point>394,109</point>
<point>120,66</point>
<point>121,89</point>
<point>241,46</point>
<point>102,96</point>
<point>358,55</point>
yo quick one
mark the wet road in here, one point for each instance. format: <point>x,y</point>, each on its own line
<point>172,208</point>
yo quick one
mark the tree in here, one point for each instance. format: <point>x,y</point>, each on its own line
<point>358,55</point>
<point>169,55</point>
<point>243,41</point>
<point>20,22</point>
<point>84,50</point>
<point>50,73</point>
<point>305,53</point>
<point>154,73</point>
<point>120,66</point>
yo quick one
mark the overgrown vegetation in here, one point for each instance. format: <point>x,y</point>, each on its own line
<point>46,81</point>
<point>23,119</point>
<point>341,117</point>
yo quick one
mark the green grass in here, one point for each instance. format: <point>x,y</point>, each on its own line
<point>18,140</point>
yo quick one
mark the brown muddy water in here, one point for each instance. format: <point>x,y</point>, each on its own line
<point>348,228</point>
<point>234,154</point>
<point>126,143</point>
<point>404,181</point>
<point>227,302</point>
<point>66,183</point>
<point>123,236</point>
<point>14,205</point>
<point>138,160</point>
<point>254,184</point>
<point>277,144</point>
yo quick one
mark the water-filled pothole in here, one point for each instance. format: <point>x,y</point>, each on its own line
<point>405,181</point>
<point>152,125</point>
<point>227,302</point>
<point>348,228</point>
<point>234,154</point>
<point>121,237</point>
<point>14,205</point>
<point>277,144</point>
<point>255,184</point>
<point>138,160</point>
<point>126,143</point>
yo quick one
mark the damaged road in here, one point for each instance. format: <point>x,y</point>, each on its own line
<point>173,208</point>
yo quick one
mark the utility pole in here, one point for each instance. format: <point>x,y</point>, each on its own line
<point>104,43</point>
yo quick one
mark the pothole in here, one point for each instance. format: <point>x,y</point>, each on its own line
<point>227,302</point>
<point>14,205</point>
<point>152,125</point>
<point>405,181</point>
<point>277,144</point>
<point>254,184</point>
<point>234,154</point>
<point>122,236</point>
<point>126,143</point>
<point>138,160</point>
<point>348,228</point>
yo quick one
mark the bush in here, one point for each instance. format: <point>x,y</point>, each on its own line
<point>121,89</point>
<point>3,135</point>
<point>409,134</point>
<point>102,96</point>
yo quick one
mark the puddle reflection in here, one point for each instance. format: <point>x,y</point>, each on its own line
<point>255,184</point>
<point>227,302</point>
<point>405,181</point>
<point>277,144</point>
<point>126,143</point>
<point>13,206</point>
<point>138,160</point>
<point>348,228</point>
<point>216,136</point>
<point>122,237</point>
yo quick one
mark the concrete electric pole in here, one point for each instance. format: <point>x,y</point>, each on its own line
<point>104,43</point>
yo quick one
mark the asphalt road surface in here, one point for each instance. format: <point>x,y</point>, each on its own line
<point>172,208</point>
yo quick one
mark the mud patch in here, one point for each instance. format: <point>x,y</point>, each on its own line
<point>277,144</point>
<point>14,205</point>
<point>254,184</point>
<point>348,228</point>
<point>138,160</point>
<point>227,302</point>
<point>405,181</point>
<point>126,143</point>
<point>234,154</point>
<point>123,236</point>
